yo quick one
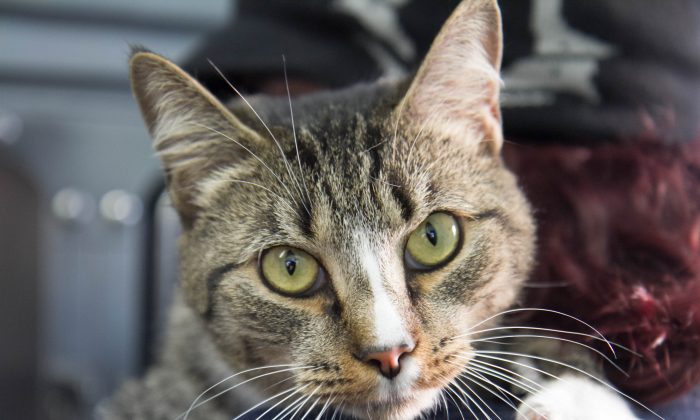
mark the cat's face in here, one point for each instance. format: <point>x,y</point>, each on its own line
<point>362,244</point>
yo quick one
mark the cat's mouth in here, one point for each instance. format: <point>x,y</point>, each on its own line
<point>400,406</point>
<point>398,398</point>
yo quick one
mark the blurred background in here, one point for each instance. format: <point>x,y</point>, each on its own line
<point>79,188</point>
<point>87,238</point>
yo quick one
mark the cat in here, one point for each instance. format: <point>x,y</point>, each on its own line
<point>344,253</point>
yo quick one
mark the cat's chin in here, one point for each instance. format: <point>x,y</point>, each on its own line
<point>399,408</point>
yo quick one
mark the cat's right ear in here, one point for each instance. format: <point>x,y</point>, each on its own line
<point>193,132</point>
<point>455,93</point>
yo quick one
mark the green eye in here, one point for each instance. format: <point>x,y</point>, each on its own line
<point>434,242</point>
<point>289,271</point>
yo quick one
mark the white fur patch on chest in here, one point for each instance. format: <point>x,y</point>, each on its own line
<point>575,398</point>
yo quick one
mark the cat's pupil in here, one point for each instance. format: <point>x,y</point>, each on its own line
<point>431,233</point>
<point>290,263</point>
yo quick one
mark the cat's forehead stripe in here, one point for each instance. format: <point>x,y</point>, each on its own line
<point>403,200</point>
<point>305,212</point>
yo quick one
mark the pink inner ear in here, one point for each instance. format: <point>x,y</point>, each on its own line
<point>456,91</point>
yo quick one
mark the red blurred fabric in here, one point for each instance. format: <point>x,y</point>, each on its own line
<point>619,247</point>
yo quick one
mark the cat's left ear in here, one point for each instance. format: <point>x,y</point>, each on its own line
<point>456,91</point>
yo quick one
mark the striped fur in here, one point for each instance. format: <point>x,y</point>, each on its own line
<point>362,169</point>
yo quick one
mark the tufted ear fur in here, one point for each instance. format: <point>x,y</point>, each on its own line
<point>193,133</point>
<point>455,92</point>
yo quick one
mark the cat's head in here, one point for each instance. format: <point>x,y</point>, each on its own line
<point>363,241</point>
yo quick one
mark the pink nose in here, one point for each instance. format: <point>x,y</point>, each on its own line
<point>388,361</point>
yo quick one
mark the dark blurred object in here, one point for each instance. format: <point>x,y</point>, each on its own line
<point>328,43</point>
<point>586,72</point>
<point>18,292</point>
<point>620,235</point>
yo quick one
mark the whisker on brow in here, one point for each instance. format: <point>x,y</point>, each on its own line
<point>277,143</point>
<point>240,181</point>
<point>274,174</point>
<point>294,131</point>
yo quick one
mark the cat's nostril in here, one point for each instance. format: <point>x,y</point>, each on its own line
<point>388,361</point>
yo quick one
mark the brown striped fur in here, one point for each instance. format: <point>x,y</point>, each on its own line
<point>369,164</point>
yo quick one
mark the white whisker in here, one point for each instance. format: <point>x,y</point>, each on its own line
<point>303,403</point>
<point>491,367</point>
<point>294,132</point>
<point>279,146</point>
<point>443,402</point>
<point>385,182</point>
<point>445,390</point>
<point>240,181</point>
<point>553,330</point>
<point>338,408</point>
<point>496,374</point>
<point>251,152</point>
<point>229,389</point>
<point>465,403</point>
<point>288,410</point>
<point>327,404</point>
<point>469,397</point>
<point>299,389</point>
<point>498,394</point>
<point>501,389</point>
<point>485,353</point>
<point>295,389</point>
<point>551,311</point>
<point>601,354</point>
<point>311,407</point>
<point>228,378</point>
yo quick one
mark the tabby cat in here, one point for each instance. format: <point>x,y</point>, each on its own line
<point>343,254</point>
